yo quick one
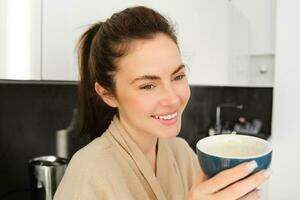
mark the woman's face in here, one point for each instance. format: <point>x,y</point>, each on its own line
<point>151,88</point>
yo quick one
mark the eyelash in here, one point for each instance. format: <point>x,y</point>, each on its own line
<point>146,87</point>
<point>177,78</point>
<point>181,76</point>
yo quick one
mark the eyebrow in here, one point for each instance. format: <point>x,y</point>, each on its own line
<point>154,77</point>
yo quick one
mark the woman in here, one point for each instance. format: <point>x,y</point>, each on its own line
<point>133,91</point>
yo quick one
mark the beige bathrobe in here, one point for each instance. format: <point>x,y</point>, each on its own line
<point>113,167</point>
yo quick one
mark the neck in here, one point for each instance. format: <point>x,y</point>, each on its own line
<point>146,142</point>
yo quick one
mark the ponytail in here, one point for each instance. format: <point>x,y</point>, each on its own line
<point>95,114</point>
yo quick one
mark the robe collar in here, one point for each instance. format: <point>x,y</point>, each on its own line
<point>165,163</point>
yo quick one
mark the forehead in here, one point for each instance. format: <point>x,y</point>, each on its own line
<point>156,56</point>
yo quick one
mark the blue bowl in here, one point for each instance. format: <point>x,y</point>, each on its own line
<point>220,152</point>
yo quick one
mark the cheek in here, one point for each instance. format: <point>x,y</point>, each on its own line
<point>142,102</point>
<point>137,103</point>
<point>184,93</point>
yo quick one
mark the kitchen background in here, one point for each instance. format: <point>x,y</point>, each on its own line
<point>229,47</point>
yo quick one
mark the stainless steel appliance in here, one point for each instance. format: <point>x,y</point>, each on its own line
<point>45,174</point>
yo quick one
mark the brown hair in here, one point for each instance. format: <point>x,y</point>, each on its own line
<point>99,48</point>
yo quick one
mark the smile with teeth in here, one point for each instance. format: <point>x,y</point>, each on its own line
<point>165,117</point>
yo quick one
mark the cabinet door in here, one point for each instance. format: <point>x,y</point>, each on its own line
<point>63,23</point>
<point>261,17</point>
<point>202,27</point>
<point>20,39</point>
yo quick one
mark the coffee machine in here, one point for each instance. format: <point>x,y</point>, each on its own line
<point>45,173</point>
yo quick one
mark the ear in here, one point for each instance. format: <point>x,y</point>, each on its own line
<point>106,96</point>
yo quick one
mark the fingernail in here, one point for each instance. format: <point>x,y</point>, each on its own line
<point>267,173</point>
<point>251,165</point>
<point>260,187</point>
<point>258,193</point>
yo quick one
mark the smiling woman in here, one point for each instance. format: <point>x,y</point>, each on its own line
<point>133,91</point>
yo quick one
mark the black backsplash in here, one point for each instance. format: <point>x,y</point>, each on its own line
<point>200,113</point>
<point>30,114</point>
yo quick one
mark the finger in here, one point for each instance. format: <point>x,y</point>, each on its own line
<point>229,176</point>
<point>244,186</point>
<point>251,196</point>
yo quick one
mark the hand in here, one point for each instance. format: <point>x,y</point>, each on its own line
<point>230,184</point>
<point>251,196</point>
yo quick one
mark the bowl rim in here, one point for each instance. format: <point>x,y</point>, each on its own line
<point>270,149</point>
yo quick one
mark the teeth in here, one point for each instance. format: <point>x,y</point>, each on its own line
<point>165,117</point>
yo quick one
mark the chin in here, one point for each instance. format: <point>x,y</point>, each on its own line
<point>166,134</point>
<point>169,136</point>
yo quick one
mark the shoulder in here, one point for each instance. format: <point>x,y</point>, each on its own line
<point>81,178</point>
<point>89,156</point>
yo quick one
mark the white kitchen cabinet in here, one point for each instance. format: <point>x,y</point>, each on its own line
<point>261,17</point>
<point>214,49</point>
<point>63,23</point>
<point>202,28</point>
<point>252,25</point>
<point>20,40</point>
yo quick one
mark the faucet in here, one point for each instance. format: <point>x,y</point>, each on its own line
<point>218,127</point>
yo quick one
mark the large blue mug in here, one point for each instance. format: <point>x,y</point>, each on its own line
<point>220,152</point>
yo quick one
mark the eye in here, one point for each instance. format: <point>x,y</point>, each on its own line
<point>179,77</point>
<point>147,87</point>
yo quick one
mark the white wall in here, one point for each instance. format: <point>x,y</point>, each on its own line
<point>284,183</point>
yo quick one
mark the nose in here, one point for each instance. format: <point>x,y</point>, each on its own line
<point>169,97</point>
